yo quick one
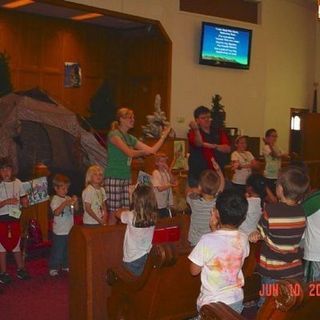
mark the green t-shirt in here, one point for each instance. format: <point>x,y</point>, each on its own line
<point>311,204</point>
<point>118,163</point>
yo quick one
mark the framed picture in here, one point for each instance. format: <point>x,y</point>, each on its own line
<point>179,150</point>
<point>72,75</point>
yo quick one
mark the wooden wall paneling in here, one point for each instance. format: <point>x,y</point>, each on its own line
<point>52,83</point>
<point>134,63</point>
<point>10,38</point>
<point>31,45</point>
<point>232,9</point>
<point>28,79</point>
<point>51,48</point>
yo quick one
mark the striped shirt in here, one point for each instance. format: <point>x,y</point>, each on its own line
<point>200,217</point>
<point>282,227</point>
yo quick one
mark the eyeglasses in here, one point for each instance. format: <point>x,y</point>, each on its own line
<point>204,117</point>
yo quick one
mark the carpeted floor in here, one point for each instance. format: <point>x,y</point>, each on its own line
<point>41,297</point>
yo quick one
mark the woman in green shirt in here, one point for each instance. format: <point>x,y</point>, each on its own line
<point>122,147</point>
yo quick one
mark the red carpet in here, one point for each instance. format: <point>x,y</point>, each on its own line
<point>41,297</point>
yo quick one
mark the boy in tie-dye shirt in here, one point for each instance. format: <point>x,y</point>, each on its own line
<point>219,255</point>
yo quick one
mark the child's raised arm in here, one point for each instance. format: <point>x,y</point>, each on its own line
<point>218,170</point>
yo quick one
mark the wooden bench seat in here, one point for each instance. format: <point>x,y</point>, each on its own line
<point>92,250</point>
<point>294,301</point>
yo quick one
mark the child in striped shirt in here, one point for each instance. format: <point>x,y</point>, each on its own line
<point>202,200</point>
<point>281,228</point>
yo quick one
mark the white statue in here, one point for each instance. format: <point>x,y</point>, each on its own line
<point>155,122</point>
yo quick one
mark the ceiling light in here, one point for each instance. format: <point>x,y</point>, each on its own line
<point>86,16</point>
<point>17,4</point>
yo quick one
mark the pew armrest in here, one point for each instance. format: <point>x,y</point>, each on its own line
<point>219,311</point>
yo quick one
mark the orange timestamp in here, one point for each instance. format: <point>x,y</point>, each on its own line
<point>312,289</point>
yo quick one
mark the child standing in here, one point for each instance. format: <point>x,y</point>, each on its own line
<point>242,163</point>
<point>219,255</point>
<point>257,193</point>
<point>202,201</point>
<point>272,155</point>
<point>140,223</point>
<point>62,207</point>
<point>311,206</point>
<point>94,197</point>
<point>11,196</point>
<point>281,228</point>
<point>162,181</point>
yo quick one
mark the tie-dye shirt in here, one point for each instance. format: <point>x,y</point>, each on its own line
<point>221,255</point>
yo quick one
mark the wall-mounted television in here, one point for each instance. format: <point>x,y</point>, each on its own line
<point>225,46</point>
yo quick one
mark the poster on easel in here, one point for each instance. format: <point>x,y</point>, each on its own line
<point>179,150</point>
<point>36,190</point>
<point>144,179</point>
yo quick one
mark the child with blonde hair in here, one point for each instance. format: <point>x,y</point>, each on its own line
<point>163,182</point>
<point>62,207</point>
<point>94,197</point>
<point>140,221</point>
<point>242,164</point>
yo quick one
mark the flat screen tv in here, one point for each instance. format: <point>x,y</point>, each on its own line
<point>225,46</point>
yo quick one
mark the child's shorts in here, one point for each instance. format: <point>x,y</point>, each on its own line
<point>10,234</point>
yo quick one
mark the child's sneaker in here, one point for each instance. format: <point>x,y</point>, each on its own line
<point>65,269</point>
<point>53,273</point>
<point>22,274</point>
<point>5,278</point>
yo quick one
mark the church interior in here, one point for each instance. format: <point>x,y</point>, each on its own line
<point>66,69</point>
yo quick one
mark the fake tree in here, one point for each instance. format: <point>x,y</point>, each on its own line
<point>218,114</point>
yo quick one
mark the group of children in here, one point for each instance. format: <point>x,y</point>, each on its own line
<point>222,222</point>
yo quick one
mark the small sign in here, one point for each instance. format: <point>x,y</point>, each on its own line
<point>36,190</point>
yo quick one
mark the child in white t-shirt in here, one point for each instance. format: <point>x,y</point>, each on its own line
<point>219,255</point>
<point>12,195</point>
<point>94,197</point>
<point>311,206</point>
<point>242,163</point>
<point>272,155</point>
<point>163,182</point>
<point>256,195</point>
<point>62,207</point>
<point>140,221</point>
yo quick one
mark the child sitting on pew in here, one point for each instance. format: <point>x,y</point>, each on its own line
<point>202,200</point>
<point>140,221</point>
<point>219,255</point>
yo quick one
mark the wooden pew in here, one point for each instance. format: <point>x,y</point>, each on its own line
<point>294,301</point>
<point>165,290</point>
<point>92,250</point>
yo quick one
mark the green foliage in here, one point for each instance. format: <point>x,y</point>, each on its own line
<point>217,112</point>
<point>102,107</point>
<point>5,77</point>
